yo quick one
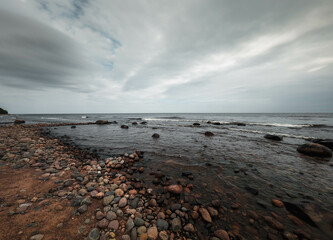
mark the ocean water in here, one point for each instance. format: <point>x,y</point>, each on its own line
<point>223,166</point>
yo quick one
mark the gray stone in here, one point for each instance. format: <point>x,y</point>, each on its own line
<point>111,215</point>
<point>176,225</point>
<point>37,237</point>
<point>162,224</point>
<point>129,225</point>
<point>139,222</point>
<point>93,235</point>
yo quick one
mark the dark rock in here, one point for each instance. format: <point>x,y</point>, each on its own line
<point>93,235</point>
<point>134,123</point>
<point>162,224</point>
<point>144,122</point>
<point>209,134</point>
<point>155,135</point>
<point>102,122</point>
<point>315,149</point>
<point>124,126</point>
<point>326,142</point>
<point>73,126</point>
<point>82,209</point>
<point>19,121</point>
<point>139,222</point>
<point>196,124</point>
<point>186,173</point>
<point>175,206</point>
<point>3,111</point>
<point>273,137</point>
<point>176,225</point>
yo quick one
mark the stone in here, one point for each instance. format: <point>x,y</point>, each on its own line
<point>221,234</point>
<point>114,225</point>
<point>152,233</point>
<point>155,135</point>
<point>209,134</point>
<point>152,203</point>
<point>122,202</point>
<point>141,230</point>
<point>274,223</point>
<point>124,126</point>
<point>205,215</point>
<point>107,200</point>
<point>163,235</point>
<point>176,225</point>
<point>139,222</point>
<point>37,237</point>
<point>195,215</point>
<point>162,224</point>
<point>315,149</point>
<point>126,237</point>
<point>143,236</point>
<point>99,215</point>
<point>326,142</point>
<point>175,189</point>
<point>129,225</point>
<point>102,122</point>
<point>273,137</point>
<point>82,209</point>
<point>189,227</point>
<point>103,223</point>
<point>277,203</point>
<point>119,192</point>
<point>93,235</point>
<point>111,215</point>
<point>213,212</point>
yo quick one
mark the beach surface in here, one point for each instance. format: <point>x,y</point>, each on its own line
<point>53,187</point>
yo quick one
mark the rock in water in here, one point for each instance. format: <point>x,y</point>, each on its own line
<point>273,137</point>
<point>124,126</point>
<point>19,121</point>
<point>155,135</point>
<point>102,122</point>
<point>326,142</point>
<point>209,134</point>
<point>315,149</point>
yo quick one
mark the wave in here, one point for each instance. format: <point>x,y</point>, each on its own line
<point>273,133</point>
<point>84,116</point>
<point>173,120</point>
<point>174,117</point>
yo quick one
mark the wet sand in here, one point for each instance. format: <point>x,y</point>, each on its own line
<point>52,189</point>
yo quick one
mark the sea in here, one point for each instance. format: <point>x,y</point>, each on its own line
<point>237,164</point>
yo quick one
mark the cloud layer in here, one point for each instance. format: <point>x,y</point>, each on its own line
<point>166,56</point>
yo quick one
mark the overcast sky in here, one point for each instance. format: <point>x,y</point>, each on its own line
<point>100,56</point>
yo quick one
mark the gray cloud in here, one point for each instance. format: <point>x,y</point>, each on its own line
<point>167,56</point>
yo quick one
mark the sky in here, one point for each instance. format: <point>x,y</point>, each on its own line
<point>121,56</point>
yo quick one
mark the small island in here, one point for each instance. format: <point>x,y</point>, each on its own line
<point>3,111</point>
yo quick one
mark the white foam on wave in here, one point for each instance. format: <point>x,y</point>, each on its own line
<point>273,133</point>
<point>281,125</point>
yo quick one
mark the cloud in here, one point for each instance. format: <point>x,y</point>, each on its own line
<point>148,55</point>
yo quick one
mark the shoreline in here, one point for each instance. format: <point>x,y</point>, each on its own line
<point>120,202</point>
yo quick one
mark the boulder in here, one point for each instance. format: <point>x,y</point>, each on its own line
<point>273,137</point>
<point>124,126</point>
<point>326,142</point>
<point>315,149</point>
<point>155,135</point>
<point>209,134</point>
<point>19,121</point>
<point>102,122</point>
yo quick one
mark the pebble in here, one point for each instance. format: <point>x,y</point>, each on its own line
<point>107,200</point>
<point>141,230</point>
<point>139,221</point>
<point>82,209</point>
<point>163,235</point>
<point>176,225</point>
<point>122,202</point>
<point>175,189</point>
<point>114,225</point>
<point>189,227</point>
<point>162,224</point>
<point>205,215</point>
<point>221,234</point>
<point>111,215</point>
<point>37,237</point>
<point>152,233</point>
<point>129,225</point>
<point>277,203</point>
<point>103,223</point>
<point>93,235</point>
<point>119,192</point>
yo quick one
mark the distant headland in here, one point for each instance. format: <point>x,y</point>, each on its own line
<point>3,111</point>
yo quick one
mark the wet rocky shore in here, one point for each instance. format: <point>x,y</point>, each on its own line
<point>77,194</point>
